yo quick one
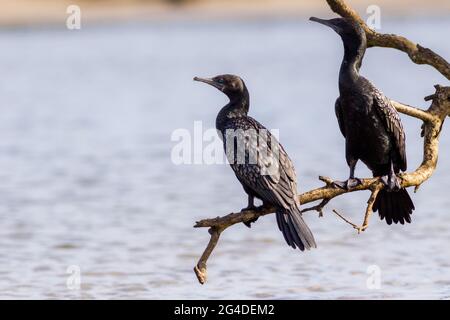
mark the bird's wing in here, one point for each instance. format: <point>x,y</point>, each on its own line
<point>273,175</point>
<point>339,115</point>
<point>393,125</point>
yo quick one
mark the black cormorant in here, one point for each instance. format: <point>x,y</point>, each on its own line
<point>275,187</point>
<point>371,126</point>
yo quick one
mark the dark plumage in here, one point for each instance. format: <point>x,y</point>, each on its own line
<point>264,169</point>
<point>371,126</point>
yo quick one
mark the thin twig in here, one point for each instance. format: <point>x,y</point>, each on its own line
<point>345,219</point>
<point>318,208</point>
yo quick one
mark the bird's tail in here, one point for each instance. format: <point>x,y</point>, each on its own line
<point>394,206</point>
<point>295,231</point>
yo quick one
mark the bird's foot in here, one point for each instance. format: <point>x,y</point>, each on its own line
<point>353,183</point>
<point>248,208</point>
<point>340,184</point>
<point>249,222</point>
<point>392,183</point>
<point>347,185</point>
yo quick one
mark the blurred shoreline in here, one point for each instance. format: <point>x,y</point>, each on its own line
<point>53,12</point>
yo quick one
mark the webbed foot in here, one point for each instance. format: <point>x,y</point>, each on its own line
<point>392,183</point>
<point>249,223</point>
<point>347,185</point>
<point>249,207</point>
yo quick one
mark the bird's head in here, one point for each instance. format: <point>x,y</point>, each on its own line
<point>231,85</point>
<point>349,30</point>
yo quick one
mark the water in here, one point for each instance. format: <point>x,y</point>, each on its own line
<point>87,180</point>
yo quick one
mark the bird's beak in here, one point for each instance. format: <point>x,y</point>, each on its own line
<point>210,82</point>
<point>325,22</point>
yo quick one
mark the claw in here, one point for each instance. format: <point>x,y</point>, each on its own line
<point>340,184</point>
<point>248,208</point>
<point>249,223</point>
<point>391,183</point>
<point>353,183</point>
<point>347,185</point>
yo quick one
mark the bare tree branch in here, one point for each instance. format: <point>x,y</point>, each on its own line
<point>412,111</point>
<point>433,120</point>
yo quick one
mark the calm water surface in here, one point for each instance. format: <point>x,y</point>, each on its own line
<point>87,179</point>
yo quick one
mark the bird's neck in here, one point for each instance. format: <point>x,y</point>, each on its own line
<point>237,107</point>
<point>349,72</point>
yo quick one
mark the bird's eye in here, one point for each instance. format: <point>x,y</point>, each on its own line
<point>220,80</point>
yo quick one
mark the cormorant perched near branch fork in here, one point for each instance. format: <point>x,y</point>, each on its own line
<point>371,126</point>
<point>271,176</point>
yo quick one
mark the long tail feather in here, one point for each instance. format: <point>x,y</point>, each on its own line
<point>393,206</point>
<point>295,230</point>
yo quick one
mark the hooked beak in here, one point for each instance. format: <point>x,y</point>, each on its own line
<point>325,22</point>
<point>210,82</point>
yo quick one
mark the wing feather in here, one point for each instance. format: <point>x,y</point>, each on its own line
<point>339,115</point>
<point>391,120</point>
<point>278,184</point>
